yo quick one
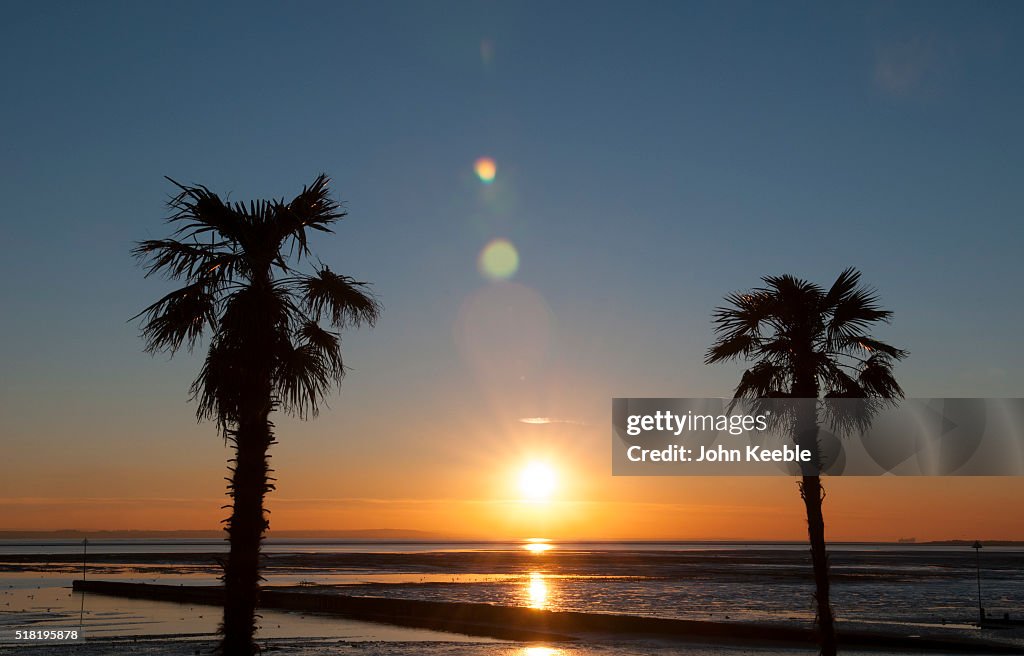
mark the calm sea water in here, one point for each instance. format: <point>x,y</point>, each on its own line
<point>912,589</point>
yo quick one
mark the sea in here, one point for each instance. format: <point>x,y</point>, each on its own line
<point>909,589</point>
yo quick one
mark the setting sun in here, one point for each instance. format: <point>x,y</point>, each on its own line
<point>537,481</point>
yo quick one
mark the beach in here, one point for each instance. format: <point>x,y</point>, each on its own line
<point>905,591</point>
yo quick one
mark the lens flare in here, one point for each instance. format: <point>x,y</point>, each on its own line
<point>503,332</point>
<point>485,169</point>
<point>499,260</point>
<point>486,51</point>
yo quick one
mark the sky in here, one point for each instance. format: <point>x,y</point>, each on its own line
<point>649,159</point>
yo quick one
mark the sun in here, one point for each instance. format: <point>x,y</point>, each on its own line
<point>537,481</point>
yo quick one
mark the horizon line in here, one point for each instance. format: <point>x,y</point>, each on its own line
<point>426,537</point>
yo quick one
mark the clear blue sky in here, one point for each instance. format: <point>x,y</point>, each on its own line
<point>651,158</point>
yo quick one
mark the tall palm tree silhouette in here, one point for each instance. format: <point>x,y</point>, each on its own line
<point>805,342</point>
<point>274,344</point>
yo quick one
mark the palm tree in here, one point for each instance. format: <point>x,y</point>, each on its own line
<point>274,344</point>
<point>804,342</point>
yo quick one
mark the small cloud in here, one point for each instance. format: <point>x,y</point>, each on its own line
<point>550,420</point>
<point>537,420</point>
<point>908,67</point>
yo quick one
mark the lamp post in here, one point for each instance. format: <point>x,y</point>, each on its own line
<point>977,555</point>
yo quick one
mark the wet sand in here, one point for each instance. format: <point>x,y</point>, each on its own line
<point>526,624</point>
<point>175,646</point>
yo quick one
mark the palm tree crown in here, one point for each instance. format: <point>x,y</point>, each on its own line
<point>238,262</point>
<point>807,341</point>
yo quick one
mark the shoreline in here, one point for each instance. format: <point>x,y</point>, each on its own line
<point>526,624</point>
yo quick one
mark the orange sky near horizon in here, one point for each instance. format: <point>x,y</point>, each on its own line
<point>444,460</point>
<point>435,441</point>
<point>592,506</point>
<point>854,512</point>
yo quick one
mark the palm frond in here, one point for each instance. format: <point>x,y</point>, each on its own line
<point>877,379</point>
<point>844,286</point>
<point>175,259</point>
<point>201,212</point>
<point>340,299</point>
<point>866,346</point>
<point>178,318</point>
<point>312,209</point>
<point>731,348</point>
<point>326,342</point>
<point>764,379</point>
<point>744,315</point>
<point>855,313</point>
<point>302,376</point>
<point>850,414</point>
<point>788,287</point>
<point>837,383</point>
<point>219,386</point>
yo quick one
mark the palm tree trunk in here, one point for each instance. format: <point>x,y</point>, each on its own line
<point>248,486</point>
<point>813,494</point>
<point>249,482</point>
<point>805,389</point>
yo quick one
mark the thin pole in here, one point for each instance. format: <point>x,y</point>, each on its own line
<point>81,611</point>
<point>977,553</point>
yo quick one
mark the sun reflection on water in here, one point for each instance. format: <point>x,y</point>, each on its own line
<point>540,651</point>
<point>537,591</point>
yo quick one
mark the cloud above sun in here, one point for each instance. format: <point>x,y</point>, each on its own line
<point>550,420</point>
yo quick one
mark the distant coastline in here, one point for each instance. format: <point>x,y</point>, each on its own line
<point>428,536</point>
<point>364,534</point>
